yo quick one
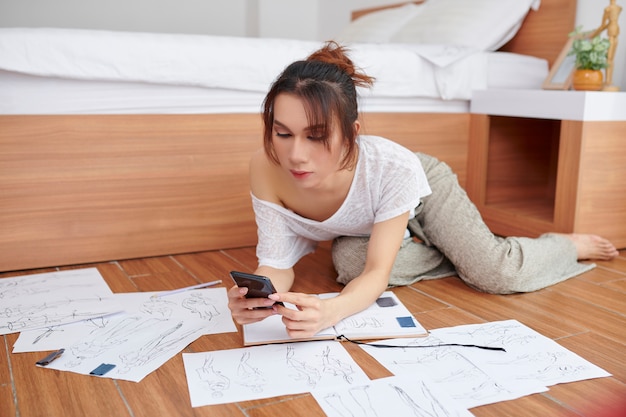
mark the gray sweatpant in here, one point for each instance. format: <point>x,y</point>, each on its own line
<point>456,241</point>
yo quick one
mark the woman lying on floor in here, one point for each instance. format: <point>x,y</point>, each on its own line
<point>396,217</point>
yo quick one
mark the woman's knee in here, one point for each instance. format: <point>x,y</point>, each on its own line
<point>349,254</point>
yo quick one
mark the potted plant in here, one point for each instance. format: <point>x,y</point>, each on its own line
<point>591,57</point>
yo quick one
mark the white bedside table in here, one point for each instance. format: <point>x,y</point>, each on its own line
<point>542,161</point>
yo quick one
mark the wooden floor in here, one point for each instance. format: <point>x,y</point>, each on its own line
<point>586,314</point>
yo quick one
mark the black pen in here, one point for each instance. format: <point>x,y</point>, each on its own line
<point>45,361</point>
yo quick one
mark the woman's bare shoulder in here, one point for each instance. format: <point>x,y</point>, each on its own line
<point>263,177</point>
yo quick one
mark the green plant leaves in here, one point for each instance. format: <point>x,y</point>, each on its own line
<point>590,53</point>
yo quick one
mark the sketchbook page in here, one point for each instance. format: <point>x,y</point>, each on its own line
<point>387,317</point>
<point>450,369</point>
<point>53,298</point>
<point>257,372</point>
<point>210,305</point>
<point>272,330</point>
<point>391,396</point>
<point>530,356</point>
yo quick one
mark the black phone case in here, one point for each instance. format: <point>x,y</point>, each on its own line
<point>258,285</point>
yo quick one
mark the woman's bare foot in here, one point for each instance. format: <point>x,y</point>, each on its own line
<point>593,247</point>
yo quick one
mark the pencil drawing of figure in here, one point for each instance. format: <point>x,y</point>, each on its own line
<point>362,399</point>
<point>500,334</point>
<point>545,366</point>
<point>302,370</point>
<point>336,367</point>
<point>215,380</point>
<point>336,402</point>
<point>426,406</point>
<point>202,306</point>
<point>486,389</point>
<point>47,332</point>
<point>96,322</point>
<point>434,355</point>
<point>14,289</point>
<point>163,343</point>
<point>469,380</point>
<point>156,306</point>
<point>361,323</point>
<point>44,314</point>
<point>547,358</point>
<point>248,375</point>
<point>554,372</point>
<point>112,336</point>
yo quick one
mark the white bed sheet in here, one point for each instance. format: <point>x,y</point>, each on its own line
<point>69,71</point>
<point>30,94</point>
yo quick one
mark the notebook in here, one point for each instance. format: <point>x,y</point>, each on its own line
<point>386,318</point>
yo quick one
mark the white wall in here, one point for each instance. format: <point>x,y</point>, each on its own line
<point>298,19</point>
<point>228,18</point>
<point>308,19</point>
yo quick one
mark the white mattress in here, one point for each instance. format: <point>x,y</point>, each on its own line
<point>64,71</point>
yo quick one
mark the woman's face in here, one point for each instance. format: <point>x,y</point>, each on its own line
<point>299,148</point>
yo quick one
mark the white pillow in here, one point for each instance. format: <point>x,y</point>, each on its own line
<point>481,24</point>
<point>378,27</point>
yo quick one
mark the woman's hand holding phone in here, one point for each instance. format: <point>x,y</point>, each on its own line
<point>248,300</point>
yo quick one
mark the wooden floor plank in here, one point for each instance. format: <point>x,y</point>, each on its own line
<point>532,405</point>
<point>591,398</point>
<point>7,399</point>
<point>490,307</point>
<point>610,299</point>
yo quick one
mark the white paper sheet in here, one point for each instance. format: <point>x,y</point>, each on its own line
<point>53,298</point>
<point>266,371</point>
<point>477,377</point>
<point>530,356</point>
<point>136,344</point>
<point>151,332</point>
<point>210,305</point>
<point>393,396</point>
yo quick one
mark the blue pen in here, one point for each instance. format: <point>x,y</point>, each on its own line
<point>45,361</point>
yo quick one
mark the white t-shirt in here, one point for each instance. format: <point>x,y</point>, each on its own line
<point>389,180</point>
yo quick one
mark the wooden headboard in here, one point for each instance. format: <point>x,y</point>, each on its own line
<point>543,33</point>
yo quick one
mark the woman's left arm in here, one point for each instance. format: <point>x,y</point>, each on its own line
<point>314,314</point>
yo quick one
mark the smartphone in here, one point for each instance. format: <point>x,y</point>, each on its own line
<point>258,285</point>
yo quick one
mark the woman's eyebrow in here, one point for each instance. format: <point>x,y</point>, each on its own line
<point>308,128</point>
<point>279,124</point>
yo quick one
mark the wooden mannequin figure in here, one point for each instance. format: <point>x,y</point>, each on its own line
<point>609,22</point>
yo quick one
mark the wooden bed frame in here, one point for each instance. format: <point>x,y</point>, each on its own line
<point>77,189</point>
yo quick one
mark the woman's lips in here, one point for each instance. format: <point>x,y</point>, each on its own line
<point>300,174</point>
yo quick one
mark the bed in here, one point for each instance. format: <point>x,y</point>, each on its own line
<point>109,151</point>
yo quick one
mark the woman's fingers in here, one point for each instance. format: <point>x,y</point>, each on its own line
<point>306,320</point>
<point>248,310</point>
